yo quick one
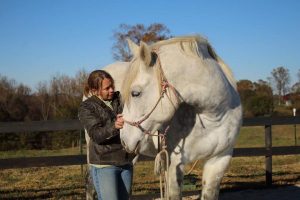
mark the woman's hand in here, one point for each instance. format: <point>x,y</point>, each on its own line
<point>119,121</point>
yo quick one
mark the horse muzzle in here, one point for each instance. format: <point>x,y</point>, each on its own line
<point>128,150</point>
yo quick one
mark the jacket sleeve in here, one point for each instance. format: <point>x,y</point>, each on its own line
<point>99,130</point>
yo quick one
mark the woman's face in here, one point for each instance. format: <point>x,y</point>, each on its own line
<point>106,92</point>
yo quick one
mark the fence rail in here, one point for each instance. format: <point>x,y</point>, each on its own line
<point>63,125</point>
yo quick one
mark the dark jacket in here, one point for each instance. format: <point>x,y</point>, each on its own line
<point>99,120</point>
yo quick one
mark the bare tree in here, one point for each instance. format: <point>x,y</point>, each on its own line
<point>281,77</point>
<point>44,99</point>
<point>60,96</point>
<point>153,33</point>
<point>296,88</point>
<point>80,77</point>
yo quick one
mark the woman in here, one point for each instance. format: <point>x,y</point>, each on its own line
<point>111,166</point>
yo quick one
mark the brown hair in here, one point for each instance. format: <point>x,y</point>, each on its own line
<point>94,81</point>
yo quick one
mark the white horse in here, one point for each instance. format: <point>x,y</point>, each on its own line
<point>201,107</point>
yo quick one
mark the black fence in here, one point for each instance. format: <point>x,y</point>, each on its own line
<point>67,125</point>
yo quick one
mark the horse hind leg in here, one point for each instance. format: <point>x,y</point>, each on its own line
<point>213,172</point>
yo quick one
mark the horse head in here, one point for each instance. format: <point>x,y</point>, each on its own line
<point>147,96</point>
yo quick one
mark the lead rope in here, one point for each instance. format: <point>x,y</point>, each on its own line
<point>161,163</point>
<point>161,166</point>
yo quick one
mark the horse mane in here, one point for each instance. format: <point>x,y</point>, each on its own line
<point>190,45</point>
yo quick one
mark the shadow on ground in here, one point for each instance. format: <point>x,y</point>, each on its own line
<point>273,193</point>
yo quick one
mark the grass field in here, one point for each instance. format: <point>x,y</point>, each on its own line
<point>68,182</point>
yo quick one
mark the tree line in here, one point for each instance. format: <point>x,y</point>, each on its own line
<point>55,99</point>
<point>60,97</point>
<point>274,97</point>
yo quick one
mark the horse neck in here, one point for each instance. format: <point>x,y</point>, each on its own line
<point>200,83</point>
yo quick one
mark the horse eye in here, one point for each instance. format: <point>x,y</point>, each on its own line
<point>135,93</point>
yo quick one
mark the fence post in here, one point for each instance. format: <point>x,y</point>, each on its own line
<point>81,149</point>
<point>268,159</point>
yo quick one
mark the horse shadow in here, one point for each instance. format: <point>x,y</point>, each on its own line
<point>274,193</point>
<point>180,127</point>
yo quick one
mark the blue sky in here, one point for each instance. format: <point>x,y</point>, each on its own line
<point>41,38</point>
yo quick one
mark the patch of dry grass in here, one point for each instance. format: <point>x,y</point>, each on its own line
<point>254,136</point>
<point>42,183</point>
<point>68,182</point>
<point>244,172</point>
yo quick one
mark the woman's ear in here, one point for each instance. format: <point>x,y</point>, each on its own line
<point>94,92</point>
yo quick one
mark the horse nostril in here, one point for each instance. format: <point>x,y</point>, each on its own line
<point>127,149</point>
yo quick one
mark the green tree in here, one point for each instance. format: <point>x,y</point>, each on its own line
<point>262,88</point>
<point>260,105</point>
<point>256,97</point>
<point>246,91</point>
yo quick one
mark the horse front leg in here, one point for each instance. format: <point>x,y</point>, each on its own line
<point>213,172</point>
<point>176,173</point>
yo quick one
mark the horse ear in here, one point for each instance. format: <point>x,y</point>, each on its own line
<point>145,53</point>
<point>134,48</point>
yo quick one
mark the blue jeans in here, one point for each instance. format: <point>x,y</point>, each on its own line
<point>113,182</point>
